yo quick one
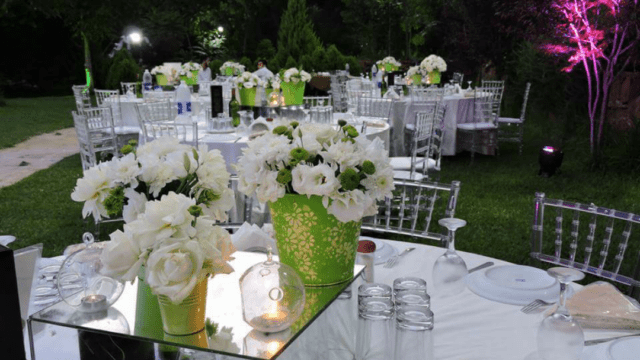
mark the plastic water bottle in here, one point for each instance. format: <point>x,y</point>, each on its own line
<point>146,81</point>
<point>183,99</point>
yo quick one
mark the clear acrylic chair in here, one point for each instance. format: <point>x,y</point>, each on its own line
<point>339,92</point>
<point>512,129</point>
<point>426,144</point>
<point>129,87</point>
<point>430,94</point>
<point>186,133</point>
<point>374,107</point>
<point>412,207</point>
<point>82,96</point>
<point>480,135</point>
<point>312,101</point>
<point>160,111</point>
<point>593,239</point>
<point>96,135</point>
<point>458,78</point>
<point>496,89</point>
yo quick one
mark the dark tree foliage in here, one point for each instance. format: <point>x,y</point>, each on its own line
<point>296,36</point>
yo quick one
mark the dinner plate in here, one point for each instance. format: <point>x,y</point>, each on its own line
<point>624,349</point>
<point>513,285</point>
<point>222,137</point>
<point>383,252</point>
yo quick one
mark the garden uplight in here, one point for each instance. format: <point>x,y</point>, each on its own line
<point>220,29</point>
<point>550,160</point>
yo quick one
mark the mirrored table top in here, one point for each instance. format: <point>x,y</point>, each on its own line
<point>224,309</point>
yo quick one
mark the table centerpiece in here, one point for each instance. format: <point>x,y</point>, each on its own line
<point>414,75</point>
<point>271,84</point>
<point>292,83</point>
<point>166,74</point>
<point>319,181</point>
<point>433,65</point>
<point>231,68</point>
<point>189,72</point>
<point>388,64</point>
<point>247,84</point>
<point>124,186</point>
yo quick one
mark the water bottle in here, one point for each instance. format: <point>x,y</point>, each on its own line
<point>346,67</point>
<point>183,99</point>
<point>146,81</point>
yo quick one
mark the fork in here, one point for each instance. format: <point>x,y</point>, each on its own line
<point>391,262</point>
<point>533,306</point>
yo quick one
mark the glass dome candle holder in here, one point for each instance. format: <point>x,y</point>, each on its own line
<point>80,282</point>
<point>273,296</point>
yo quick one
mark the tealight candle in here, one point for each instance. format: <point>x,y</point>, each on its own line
<point>91,303</point>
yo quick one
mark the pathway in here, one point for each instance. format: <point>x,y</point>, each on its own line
<point>37,153</point>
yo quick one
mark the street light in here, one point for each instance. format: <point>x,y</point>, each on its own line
<point>220,29</point>
<point>135,37</point>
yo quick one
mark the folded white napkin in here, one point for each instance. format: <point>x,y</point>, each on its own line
<point>7,239</point>
<point>250,237</point>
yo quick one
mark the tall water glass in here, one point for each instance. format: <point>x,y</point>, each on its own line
<point>414,337</point>
<point>374,337</point>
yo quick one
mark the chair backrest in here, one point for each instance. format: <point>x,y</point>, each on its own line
<point>162,111</point>
<point>354,84</point>
<point>82,96</point>
<point>95,132</point>
<point>129,87</point>
<point>312,101</point>
<point>411,208</point>
<point>496,89</point>
<point>593,239</point>
<point>483,110</point>
<point>353,95</point>
<point>524,101</point>
<point>374,107</point>
<point>110,98</point>
<point>186,133</point>
<point>87,155</point>
<point>159,95</point>
<point>458,78</point>
<point>426,139</point>
<point>422,94</point>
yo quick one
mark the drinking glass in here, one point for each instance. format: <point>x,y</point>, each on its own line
<point>414,338</point>
<point>450,270</point>
<point>559,335</point>
<point>469,87</point>
<point>375,326</point>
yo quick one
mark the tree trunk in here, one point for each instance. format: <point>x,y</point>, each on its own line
<point>87,61</point>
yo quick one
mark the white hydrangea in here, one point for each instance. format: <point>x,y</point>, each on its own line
<point>295,76</point>
<point>433,62</point>
<point>389,60</point>
<point>248,80</point>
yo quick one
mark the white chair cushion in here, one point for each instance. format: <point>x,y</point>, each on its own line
<point>509,120</point>
<point>406,175</point>
<point>477,126</point>
<point>404,163</point>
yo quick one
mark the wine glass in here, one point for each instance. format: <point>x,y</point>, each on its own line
<point>469,87</point>
<point>450,270</point>
<point>559,335</point>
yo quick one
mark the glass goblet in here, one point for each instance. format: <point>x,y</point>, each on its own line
<point>469,87</point>
<point>559,335</point>
<point>450,270</point>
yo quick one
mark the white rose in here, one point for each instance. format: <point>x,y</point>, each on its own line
<point>125,170</point>
<point>350,205</point>
<point>136,203</point>
<point>318,180</point>
<point>174,270</point>
<point>248,84</point>
<point>270,189</point>
<point>93,188</point>
<point>295,80</point>
<point>121,257</point>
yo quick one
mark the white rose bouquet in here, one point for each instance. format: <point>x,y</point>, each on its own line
<point>348,171</point>
<point>236,68</point>
<point>295,76</point>
<point>186,73</point>
<point>272,82</point>
<point>175,243</point>
<point>415,70</point>
<point>389,60</point>
<point>124,185</point>
<point>248,81</point>
<point>433,62</point>
<point>169,72</point>
<point>191,66</point>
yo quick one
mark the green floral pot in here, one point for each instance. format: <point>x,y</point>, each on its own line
<point>318,246</point>
<point>161,79</point>
<point>389,67</point>
<point>248,96</point>
<point>228,71</point>
<point>183,322</point>
<point>434,77</point>
<point>148,318</point>
<point>192,80</point>
<point>293,93</point>
<point>416,79</point>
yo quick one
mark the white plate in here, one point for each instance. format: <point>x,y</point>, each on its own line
<point>222,137</point>
<point>624,349</point>
<point>383,252</point>
<point>499,288</point>
<point>519,277</point>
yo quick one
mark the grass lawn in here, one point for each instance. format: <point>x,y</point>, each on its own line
<point>21,119</point>
<point>496,199</point>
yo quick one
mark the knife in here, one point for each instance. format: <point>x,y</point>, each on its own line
<point>480,267</point>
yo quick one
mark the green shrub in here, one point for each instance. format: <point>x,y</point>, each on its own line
<point>335,59</point>
<point>215,66</point>
<point>290,63</point>
<point>355,68</point>
<point>306,63</point>
<point>265,50</point>
<point>248,64</point>
<point>123,69</point>
<point>319,59</point>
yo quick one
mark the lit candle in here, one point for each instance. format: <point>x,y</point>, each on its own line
<point>91,303</point>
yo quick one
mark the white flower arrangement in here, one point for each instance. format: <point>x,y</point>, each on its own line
<point>175,243</point>
<point>169,72</point>
<point>433,62</point>
<point>237,68</point>
<point>248,81</point>
<point>186,73</point>
<point>294,75</point>
<point>348,171</point>
<point>389,60</point>
<point>124,185</point>
<point>272,82</point>
<point>415,70</point>
<point>191,66</point>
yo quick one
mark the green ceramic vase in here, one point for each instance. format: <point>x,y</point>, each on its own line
<point>318,246</point>
<point>293,93</point>
<point>248,96</point>
<point>389,67</point>
<point>434,77</point>
<point>184,323</point>
<point>228,71</point>
<point>161,79</point>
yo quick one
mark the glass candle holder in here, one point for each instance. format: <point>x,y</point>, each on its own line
<point>273,296</point>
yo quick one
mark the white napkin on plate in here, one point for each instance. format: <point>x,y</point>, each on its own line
<point>249,237</point>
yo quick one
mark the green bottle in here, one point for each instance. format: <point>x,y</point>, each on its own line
<point>234,107</point>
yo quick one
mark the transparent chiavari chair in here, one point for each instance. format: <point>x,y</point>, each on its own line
<point>186,133</point>
<point>339,92</point>
<point>161,111</point>
<point>352,98</point>
<point>96,134</point>
<point>321,114</point>
<point>458,78</point>
<point>82,96</point>
<point>426,144</point>
<point>111,99</point>
<point>421,94</point>
<point>512,129</point>
<point>374,107</point>
<point>129,87</point>
<point>590,238</point>
<point>312,101</point>
<point>496,89</point>
<point>481,134</point>
<point>412,207</point>
<point>159,95</point>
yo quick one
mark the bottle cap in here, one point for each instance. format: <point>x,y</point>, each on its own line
<point>366,246</point>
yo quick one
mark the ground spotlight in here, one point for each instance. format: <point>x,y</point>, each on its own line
<point>550,160</point>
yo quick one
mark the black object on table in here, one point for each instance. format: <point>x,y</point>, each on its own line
<point>11,329</point>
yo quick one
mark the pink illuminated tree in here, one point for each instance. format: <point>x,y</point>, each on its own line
<point>602,36</point>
